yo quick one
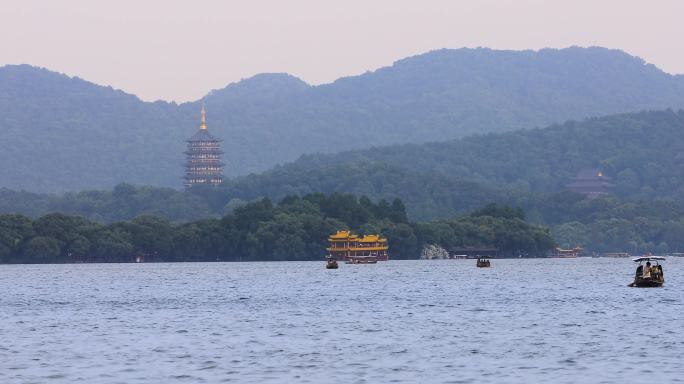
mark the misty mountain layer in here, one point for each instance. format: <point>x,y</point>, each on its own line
<point>642,153</point>
<point>59,133</point>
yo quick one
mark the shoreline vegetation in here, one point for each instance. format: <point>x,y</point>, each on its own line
<point>296,228</point>
<point>643,153</point>
<point>610,224</point>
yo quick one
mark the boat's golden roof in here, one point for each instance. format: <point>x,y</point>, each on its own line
<point>372,239</point>
<point>342,235</point>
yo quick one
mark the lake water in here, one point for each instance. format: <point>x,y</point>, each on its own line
<point>521,321</point>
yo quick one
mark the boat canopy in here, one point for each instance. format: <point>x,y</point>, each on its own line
<point>647,258</point>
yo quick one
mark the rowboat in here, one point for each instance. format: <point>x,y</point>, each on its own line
<point>647,275</point>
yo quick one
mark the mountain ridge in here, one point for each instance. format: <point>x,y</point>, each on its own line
<point>643,152</point>
<point>89,136</point>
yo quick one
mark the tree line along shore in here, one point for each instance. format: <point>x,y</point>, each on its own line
<point>611,224</point>
<point>296,228</point>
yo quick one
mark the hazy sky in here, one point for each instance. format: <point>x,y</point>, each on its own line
<point>179,50</point>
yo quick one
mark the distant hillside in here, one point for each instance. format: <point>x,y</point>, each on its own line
<point>60,133</point>
<point>643,153</point>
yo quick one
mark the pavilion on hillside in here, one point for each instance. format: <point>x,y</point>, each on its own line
<point>592,183</point>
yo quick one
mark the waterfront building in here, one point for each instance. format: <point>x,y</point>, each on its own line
<point>591,183</point>
<point>203,164</point>
<point>345,245</point>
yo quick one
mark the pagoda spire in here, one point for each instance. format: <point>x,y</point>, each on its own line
<point>203,124</point>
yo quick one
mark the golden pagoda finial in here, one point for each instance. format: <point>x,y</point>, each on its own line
<point>203,125</point>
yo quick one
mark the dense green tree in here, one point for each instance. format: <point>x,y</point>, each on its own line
<point>404,240</point>
<point>295,229</point>
<point>79,246</point>
<point>67,230</point>
<point>344,207</point>
<point>512,236</point>
<point>41,249</point>
<point>505,212</point>
<point>398,212</point>
<point>150,235</point>
<point>571,234</point>
<point>14,231</point>
<point>111,245</point>
<point>249,216</point>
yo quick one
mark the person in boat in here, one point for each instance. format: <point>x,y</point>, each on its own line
<point>646,273</point>
<point>656,271</point>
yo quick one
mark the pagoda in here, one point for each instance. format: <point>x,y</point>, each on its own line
<point>591,183</point>
<point>203,165</point>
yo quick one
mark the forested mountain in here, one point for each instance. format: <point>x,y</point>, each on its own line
<point>642,152</point>
<point>60,133</point>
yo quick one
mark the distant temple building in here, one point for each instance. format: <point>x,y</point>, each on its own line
<point>203,165</point>
<point>591,183</point>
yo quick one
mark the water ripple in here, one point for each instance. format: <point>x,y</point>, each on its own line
<point>401,322</point>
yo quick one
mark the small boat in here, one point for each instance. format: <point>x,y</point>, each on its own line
<point>331,264</point>
<point>560,253</point>
<point>648,275</point>
<point>483,262</point>
<point>362,260</point>
<point>617,254</point>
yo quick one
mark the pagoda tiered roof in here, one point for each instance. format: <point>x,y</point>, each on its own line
<point>203,161</point>
<point>203,135</point>
<point>204,151</point>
